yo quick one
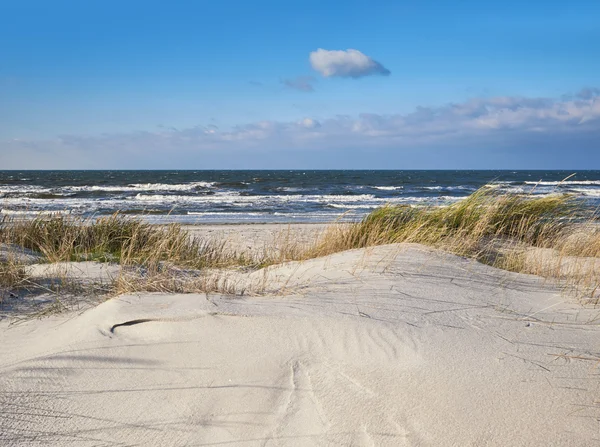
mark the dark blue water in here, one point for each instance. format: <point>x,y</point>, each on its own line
<point>265,196</point>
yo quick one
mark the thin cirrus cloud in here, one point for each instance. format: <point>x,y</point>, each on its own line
<point>478,126</point>
<point>345,64</point>
<point>301,83</point>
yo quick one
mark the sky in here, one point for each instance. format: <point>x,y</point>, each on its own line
<point>299,85</point>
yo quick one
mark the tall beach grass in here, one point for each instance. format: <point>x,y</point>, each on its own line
<point>116,238</point>
<point>552,236</point>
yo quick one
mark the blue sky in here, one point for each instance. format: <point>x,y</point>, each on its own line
<point>316,84</point>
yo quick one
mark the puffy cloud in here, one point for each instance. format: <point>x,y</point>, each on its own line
<point>346,64</point>
<point>477,127</point>
<point>302,83</point>
<point>309,123</point>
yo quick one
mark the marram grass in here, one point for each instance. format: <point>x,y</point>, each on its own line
<point>462,227</point>
<point>520,233</point>
<point>115,238</point>
<point>548,236</point>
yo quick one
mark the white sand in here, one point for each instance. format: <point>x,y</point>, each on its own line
<point>257,237</point>
<point>392,346</point>
<point>20,255</point>
<point>84,272</point>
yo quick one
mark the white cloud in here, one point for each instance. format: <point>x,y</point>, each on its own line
<point>309,123</point>
<point>346,64</point>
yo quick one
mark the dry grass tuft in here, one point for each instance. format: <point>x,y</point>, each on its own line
<point>463,227</point>
<point>143,251</point>
<point>116,238</point>
<point>12,276</point>
<point>552,236</point>
<point>175,282</point>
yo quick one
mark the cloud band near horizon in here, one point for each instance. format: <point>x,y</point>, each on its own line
<point>479,123</point>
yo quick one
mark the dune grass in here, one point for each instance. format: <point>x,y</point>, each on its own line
<point>12,275</point>
<point>465,227</point>
<point>117,238</point>
<point>552,236</point>
<point>152,258</point>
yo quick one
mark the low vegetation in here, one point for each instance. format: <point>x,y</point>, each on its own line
<point>469,227</point>
<point>117,238</point>
<point>12,276</point>
<point>552,236</point>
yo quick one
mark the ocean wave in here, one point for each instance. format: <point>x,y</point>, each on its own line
<point>160,199</point>
<point>134,187</point>
<point>8,212</point>
<point>353,206</point>
<point>568,182</point>
<point>426,200</point>
<point>225,213</point>
<point>549,190</point>
<point>586,191</point>
<point>222,199</point>
<point>37,201</point>
<point>388,188</point>
<point>449,188</point>
<point>143,187</point>
<point>231,198</point>
<point>289,189</point>
<point>25,189</point>
<point>174,187</point>
<point>539,190</point>
<point>409,200</point>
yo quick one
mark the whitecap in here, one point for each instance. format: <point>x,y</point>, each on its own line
<point>567,182</point>
<point>388,188</point>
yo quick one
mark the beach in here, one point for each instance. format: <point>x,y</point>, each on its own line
<point>254,237</point>
<point>392,345</point>
<point>332,224</point>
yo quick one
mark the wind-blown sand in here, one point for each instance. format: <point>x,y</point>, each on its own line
<point>391,346</point>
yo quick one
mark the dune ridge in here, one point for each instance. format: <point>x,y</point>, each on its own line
<point>391,345</point>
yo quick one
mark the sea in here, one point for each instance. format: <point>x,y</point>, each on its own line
<point>197,197</point>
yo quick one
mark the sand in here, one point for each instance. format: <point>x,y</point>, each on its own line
<point>397,345</point>
<point>256,237</point>
<point>13,253</point>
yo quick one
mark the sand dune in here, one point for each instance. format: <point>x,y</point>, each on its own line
<point>391,346</point>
